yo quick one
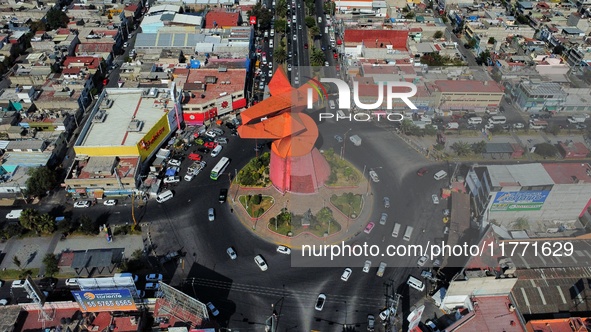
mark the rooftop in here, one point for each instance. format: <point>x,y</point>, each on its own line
<point>210,84</point>
<point>572,324</point>
<point>491,314</point>
<point>468,86</point>
<point>519,175</point>
<point>128,120</point>
<point>219,18</point>
<point>105,167</point>
<point>565,173</point>
<point>91,47</point>
<point>377,38</point>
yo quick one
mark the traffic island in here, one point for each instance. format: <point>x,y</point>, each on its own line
<point>256,205</point>
<point>349,204</point>
<point>321,224</point>
<point>256,173</point>
<point>342,172</point>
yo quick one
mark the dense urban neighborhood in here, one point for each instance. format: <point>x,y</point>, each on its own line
<point>295,165</point>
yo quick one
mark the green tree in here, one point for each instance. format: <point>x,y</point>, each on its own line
<point>432,59</point>
<point>41,179</point>
<point>56,19</point>
<point>87,225</point>
<point>29,219</point>
<point>347,172</point>
<point>45,224</point>
<point>483,57</point>
<point>471,44</point>
<point>263,15</point>
<point>492,40</point>
<point>310,21</point>
<point>50,262</point>
<point>545,150</point>
<point>17,262</point>
<point>314,31</point>
<point>280,25</point>
<point>38,26</point>
<point>279,55</point>
<point>479,147</point>
<point>256,199</point>
<point>438,34</point>
<point>406,126</point>
<point>317,58</point>
<point>430,130</point>
<point>558,49</point>
<point>324,215</point>
<point>461,148</point>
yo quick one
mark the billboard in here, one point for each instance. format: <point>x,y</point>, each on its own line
<point>105,300</point>
<point>519,200</point>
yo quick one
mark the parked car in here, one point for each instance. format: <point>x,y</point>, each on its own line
<point>213,309</point>
<point>421,262</point>
<point>174,162</point>
<point>82,204</point>
<point>210,145</point>
<point>386,202</point>
<point>110,202</point>
<point>204,150</point>
<point>190,175</point>
<point>210,133</point>
<point>211,214</point>
<point>383,219</point>
<point>258,259</point>
<point>369,227</point>
<point>384,314</point>
<point>346,274</point>
<point>172,179</point>
<point>432,325</point>
<point>152,286</point>
<point>18,284</point>
<point>71,283</point>
<point>320,302</point>
<point>283,250</point>
<point>366,266</point>
<point>518,125</point>
<point>169,257</point>
<point>154,277</point>
<point>221,140</point>
<point>195,156</point>
<point>371,322</point>
<point>231,253</point>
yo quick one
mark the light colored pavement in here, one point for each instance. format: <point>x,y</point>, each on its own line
<point>299,204</point>
<point>31,250</point>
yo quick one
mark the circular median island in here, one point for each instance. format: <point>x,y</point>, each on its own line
<point>349,204</point>
<point>256,205</point>
<point>320,224</point>
<point>342,172</point>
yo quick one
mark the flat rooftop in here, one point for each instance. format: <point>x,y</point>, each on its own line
<point>519,175</point>
<point>569,173</point>
<point>493,313</point>
<point>117,128</point>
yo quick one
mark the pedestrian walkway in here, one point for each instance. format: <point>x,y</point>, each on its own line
<point>299,204</point>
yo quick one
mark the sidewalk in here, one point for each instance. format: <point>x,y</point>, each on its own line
<point>299,204</point>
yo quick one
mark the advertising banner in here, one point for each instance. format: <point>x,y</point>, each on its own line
<point>253,20</point>
<point>105,300</point>
<point>519,200</point>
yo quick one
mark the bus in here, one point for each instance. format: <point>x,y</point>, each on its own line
<point>219,168</point>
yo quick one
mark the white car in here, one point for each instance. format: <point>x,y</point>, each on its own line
<point>374,176</point>
<point>189,176</point>
<point>3,302</point>
<point>346,274</point>
<point>154,277</point>
<point>384,314</point>
<point>489,126</point>
<point>172,179</point>
<point>284,250</point>
<point>320,302</point>
<point>231,253</point>
<point>210,133</point>
<point>421,262</point>
<point>295,37</point>
<point>110,202</point>
<point>383,219</point>
<point>518,125</point>
<point>289,67</point>
<point>174,162</point>
<point>82,204</point>
<point>211,214</point>
<point>258,259</point>
<point>366,266</point>
<point>71,283</point>
<point>18,284</point>
<point>213,309</point>
<point>435,199</point>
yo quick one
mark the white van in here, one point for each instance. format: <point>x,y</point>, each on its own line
<point>216,151</point>
<point>396,230</point>
<point>415,283</point>
<point>497,119</point>
<point>475,120</point>
<point>440,175</point>
<point>319,19</point>
<point>326,30</point>
<point>164,196</point>
<point>408,233</point>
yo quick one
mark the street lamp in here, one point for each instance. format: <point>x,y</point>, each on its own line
<point>344,142</point>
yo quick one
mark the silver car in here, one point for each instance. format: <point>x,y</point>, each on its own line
<point>383,219</point>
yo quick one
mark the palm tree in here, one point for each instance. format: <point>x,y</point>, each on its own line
<point>314,30</point>
<point>279,55</point>
<point>317,58</point>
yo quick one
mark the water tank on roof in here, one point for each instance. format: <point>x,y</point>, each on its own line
<point>194,64</point>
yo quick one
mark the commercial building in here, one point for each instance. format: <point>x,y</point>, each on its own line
<point>536,97</point>
<point>472,95</point>
<point>531,200</point>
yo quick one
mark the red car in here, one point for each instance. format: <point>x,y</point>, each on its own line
<point>195,156</point>
<point>422,171</point>
<point>336,55</point>
<point>210,145</point>
<point>306,46</point>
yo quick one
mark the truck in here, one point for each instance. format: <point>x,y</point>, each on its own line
<point>381,269</point>
<point>356,140</point>
<point>14,214</point>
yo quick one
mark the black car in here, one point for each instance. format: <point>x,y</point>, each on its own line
<point>223,195</point>
<point>230,125</point>
<point>204,150</point>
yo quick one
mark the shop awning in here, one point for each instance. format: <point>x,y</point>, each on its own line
<point>240,103</point>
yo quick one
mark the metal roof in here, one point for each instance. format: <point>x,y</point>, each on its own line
<point>524,175</point>
<point>92,258</point>
<point>499,148</point>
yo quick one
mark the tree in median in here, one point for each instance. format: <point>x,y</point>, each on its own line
<point>50,262</point>
<point>41,179</point>
<point>461,148</point>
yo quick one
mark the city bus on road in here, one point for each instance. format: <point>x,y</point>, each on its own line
<point>219,168</point>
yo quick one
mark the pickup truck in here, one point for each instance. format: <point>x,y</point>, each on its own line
<point>356,140</point>
<point>381,269</point>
